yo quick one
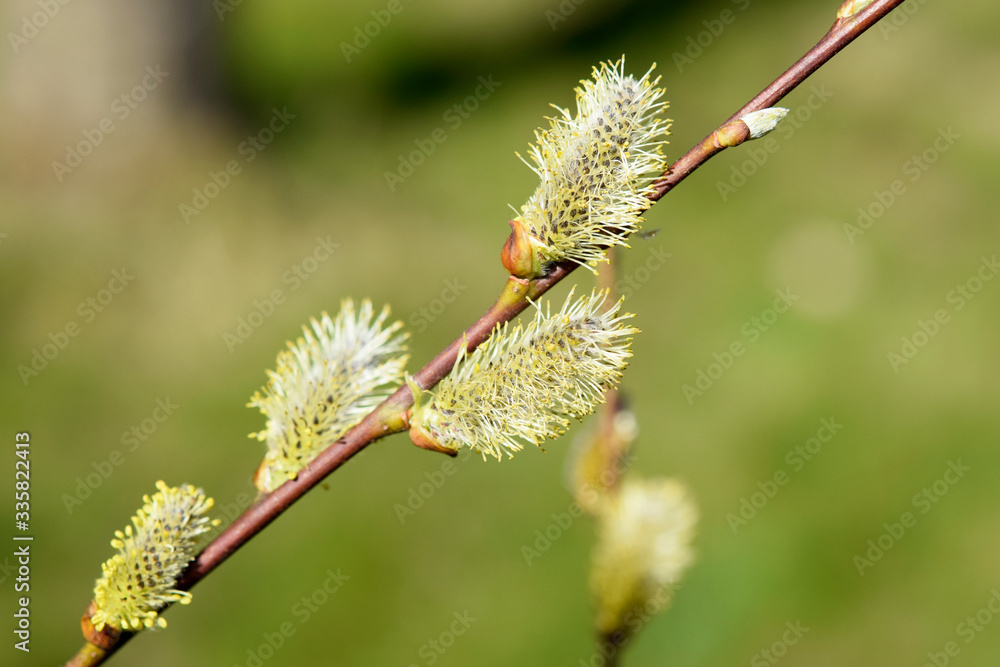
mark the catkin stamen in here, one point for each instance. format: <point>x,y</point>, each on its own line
<point>139,580</point>
<point>595,168</point>
<point>525,383</point>
<point>323,385</point>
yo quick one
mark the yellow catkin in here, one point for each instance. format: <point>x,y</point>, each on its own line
<point>595,167</point>
<point>644,534</point>
<point>524,384</point>
<point>139,580</point>
<point>323,385</point>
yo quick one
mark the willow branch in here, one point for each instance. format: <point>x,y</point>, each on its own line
<point>388,418</point>
<point>391,416</point>
<point>609,445</point>
<point>849,25</point>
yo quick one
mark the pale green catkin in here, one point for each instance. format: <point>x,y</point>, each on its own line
<point>525,383</point>
<point>595,167</point>
<point>139,580</point>
<point>323,385</point>
<point>644,535</point>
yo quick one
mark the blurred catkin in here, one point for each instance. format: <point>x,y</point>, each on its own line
<point>644,534</point>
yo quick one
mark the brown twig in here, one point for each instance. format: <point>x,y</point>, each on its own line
<point>89,655</point>
<point>608,443</point>
<point>846,29</point>
<point>390,416</point>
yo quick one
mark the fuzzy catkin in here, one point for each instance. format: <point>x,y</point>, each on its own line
<point>525,383</point>
<point>644,534</point>
<point>595,167</point>
<point>139,580</point>
<point>323,385</point>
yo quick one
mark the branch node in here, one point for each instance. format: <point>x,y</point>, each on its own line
<point>106,638</point>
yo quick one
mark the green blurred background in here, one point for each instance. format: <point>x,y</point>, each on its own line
<point>880,103</point>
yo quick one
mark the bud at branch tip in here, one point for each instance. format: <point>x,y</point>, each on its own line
<point>850,8</point>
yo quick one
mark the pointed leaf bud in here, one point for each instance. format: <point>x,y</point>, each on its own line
<point>763,121</point>
<point>850,8</point>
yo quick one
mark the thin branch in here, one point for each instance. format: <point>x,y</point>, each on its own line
<point>390,417</point>
<point>845,30</point>
<point>88,655</point>
<point>385,420</point>
<point>608,442</point>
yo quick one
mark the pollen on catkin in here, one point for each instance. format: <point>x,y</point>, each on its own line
<point>595,169</point>
<point>139,580</point>
<point>644,535</point>
<point>525,383</point>
<point>323,385</point>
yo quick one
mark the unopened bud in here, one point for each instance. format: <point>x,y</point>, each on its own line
<point>421,438</point>
<point>519,255</point>
<point>852,7</point>
<point>763,121</point>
